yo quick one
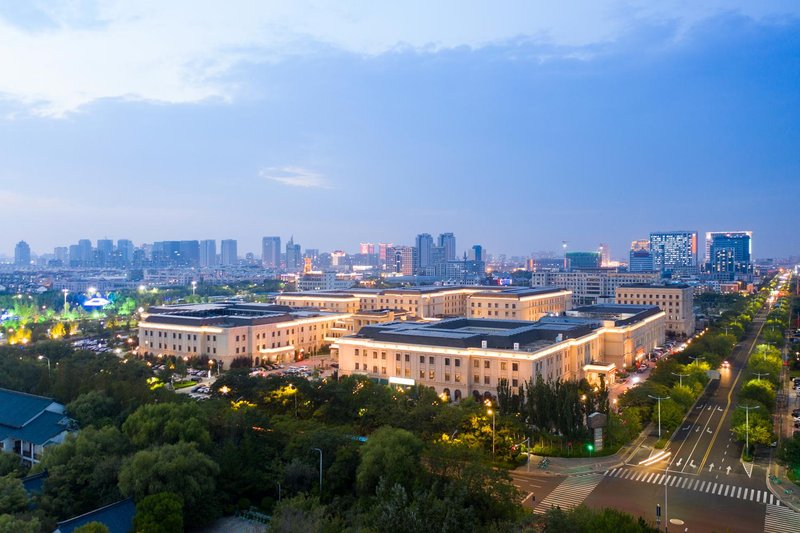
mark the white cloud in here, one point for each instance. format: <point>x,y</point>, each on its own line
<point>295,177</point>
<point>182,51</point>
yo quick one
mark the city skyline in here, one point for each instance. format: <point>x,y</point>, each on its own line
<point>516,126</point>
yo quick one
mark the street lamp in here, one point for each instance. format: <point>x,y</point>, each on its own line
<point>759,374</point>
<point>490,411</point>
<point>320,469</point>
<point>696,359</point>
<point>659,411</point>
<point>747,409</point>
<point>680,377</point>
<point>48,363</point>
<point>194,287</point>
<point>65,291</point>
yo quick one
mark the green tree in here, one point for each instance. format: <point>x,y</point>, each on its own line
<point>391,454</point>
<point>790,451</point>
<point>11,524</point>
<point>159,513</point>
<point>13,496</point>
<point>9,464</point>
<point>759,390</point>
<point>167,424</point>
<point>93,408</point>
<point>178,468</point>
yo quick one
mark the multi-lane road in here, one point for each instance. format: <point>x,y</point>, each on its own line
<point>700,484</point>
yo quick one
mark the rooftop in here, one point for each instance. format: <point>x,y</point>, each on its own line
<point>225,314</point>
<point>117,517</point>
<point>471,332</point>
<point>621,315</point>
<point>655,286</point>
<point>18,408</point>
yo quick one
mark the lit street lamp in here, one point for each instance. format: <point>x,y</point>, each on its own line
<point>194,287</point>
<point>680,377</point>
<point>65,291</point>
<point>491,412</point>
<point>48,363</point>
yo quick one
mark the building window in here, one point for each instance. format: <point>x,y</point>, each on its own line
<point>397,370</point>
<point>356,365</point>
<point>407,372</point>
<point>421,374</point>
<point>458,362</point>
<point>383,370</point>
<point>430,360</point>
<point>458,378</point>
<point>374,369</point>
<point>422,359</point>
<point>446,376</point>
<point>515,367</point>
<point>446,361</point>
<point>503,365</point>
<point>407,358</point>
<point>397,357</point>
<point>486,380</point>
<point>432,374</point>
<point>374,355</point>
<point>514,382</point>
<point>476,364</point>
<point>356,352</point>
<point>487,364</point>
<point>476,378</point>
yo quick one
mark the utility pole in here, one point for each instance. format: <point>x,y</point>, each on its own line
<point>320,469</point>
<point>759,374</point>
<point>747,409</point>
<point>659,411</point>
<point>680,377</point>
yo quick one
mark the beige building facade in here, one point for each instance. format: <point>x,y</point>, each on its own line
<point>225,331</point>
<point>463,357</point>
<point>677,302</point>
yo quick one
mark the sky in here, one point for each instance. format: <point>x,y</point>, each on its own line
<point>514,124</point>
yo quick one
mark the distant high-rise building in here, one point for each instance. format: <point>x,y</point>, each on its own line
<point>105,251</point>
<point>125,249</point>
<point>311,253</point>
<point>400,259</point>
<point>476,254</point>
<point>22,254</point>
<point>85,252</point>
<point>423,253</point>
<point>229,256</point>
<point>605,254</point>
<point>61,253</point>
<point>294,258</point>
<point>208,253</point>
<point>271,252</point>
<point>190,253</point>
<point>640,244</point>
<point>729,252</point>
<point>447,241</point>
<point>583,260</point>
<point>640,261</point>
<point>366,248</point>
<point>674,251</point>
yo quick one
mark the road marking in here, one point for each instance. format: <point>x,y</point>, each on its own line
<point>752,494</point>
<point>651,476</point>
<point>780,519</point>
<point>739,493</point>
<point>672,484</point>
<point>702,486</point>
<point>569,493</point>
<point>730,394</point>
<point>528,497</point>
<point>694,485</point>
<point>709,486</point>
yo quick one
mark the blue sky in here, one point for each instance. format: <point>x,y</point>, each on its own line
<point>513,124</point>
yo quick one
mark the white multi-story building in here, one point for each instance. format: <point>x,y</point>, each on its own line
<point>591,287</point>
<point>463,357</point>
<point>325,281</point>
<point>225,331</point>
<point>436,302</point>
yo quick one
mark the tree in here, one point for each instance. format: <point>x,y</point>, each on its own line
<point>167,424</point>
<point>58,330</point>
<point>159,513</point>
<point>11,524</point>
<point>93,408</point>
<point>302,514</point>
<point>82,471</point>
<point>391,454</point>
<point>759,390</point>
<point>178,468</point>
<point>13,496</point>
<point>790,451</point>
<point>9,464</point>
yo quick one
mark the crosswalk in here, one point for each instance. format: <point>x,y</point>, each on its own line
<point>570,493</point>
<point>781,520</point>
<point>694,483</point>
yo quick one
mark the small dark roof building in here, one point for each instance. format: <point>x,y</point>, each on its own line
<point>29,423</point>
<point>117,517</point>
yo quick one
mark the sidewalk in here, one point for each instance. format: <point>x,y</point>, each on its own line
<point>783,489</point>
<point>575,466</point>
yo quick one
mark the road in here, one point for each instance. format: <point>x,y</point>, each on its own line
<point>702,481</point>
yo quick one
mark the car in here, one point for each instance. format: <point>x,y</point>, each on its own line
<point>726,364</point>
<point>796,412</point>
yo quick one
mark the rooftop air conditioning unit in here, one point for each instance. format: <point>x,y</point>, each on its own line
<point>484,344</point>
<point>516,346</point>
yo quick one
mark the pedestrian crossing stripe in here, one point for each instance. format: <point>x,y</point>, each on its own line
<point>695,484</point>
<point>781,520</point>
<point>569,493</point>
